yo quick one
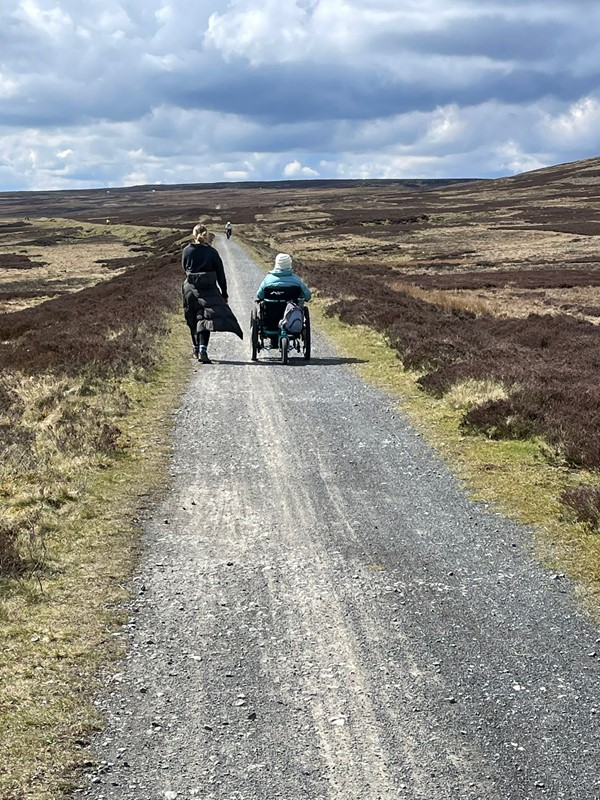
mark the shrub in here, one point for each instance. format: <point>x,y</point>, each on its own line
<point>549,365</point>
<point>107,327</point>
<point>501,419</point>
<point>585,502</point>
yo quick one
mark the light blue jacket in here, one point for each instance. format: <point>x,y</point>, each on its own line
<point>281,276</point>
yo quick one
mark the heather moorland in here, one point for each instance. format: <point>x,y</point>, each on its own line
<point>487,284</point>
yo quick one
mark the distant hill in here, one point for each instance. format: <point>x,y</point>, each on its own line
<point>573,183</point>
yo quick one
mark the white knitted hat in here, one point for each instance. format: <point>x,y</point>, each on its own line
<point>283,262</point>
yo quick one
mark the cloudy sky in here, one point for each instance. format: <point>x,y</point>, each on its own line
<point>125,92</point>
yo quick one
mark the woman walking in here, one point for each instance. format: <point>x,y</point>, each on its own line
<point>205,294</point>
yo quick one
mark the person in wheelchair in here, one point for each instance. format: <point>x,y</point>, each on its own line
<point>283,281</point>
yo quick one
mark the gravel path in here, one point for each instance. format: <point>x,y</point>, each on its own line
<point>320,611</point>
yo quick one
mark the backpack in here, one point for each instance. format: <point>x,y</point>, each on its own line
<point>293,318</point>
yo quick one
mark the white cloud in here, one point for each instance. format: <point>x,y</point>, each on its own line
<point>237,89</point>
<point>164,14</point>
<point>9,85</point>
<point>236,175</point>
<point>294,169</point>
<point>51,22</point>
<point>273,32</point>
<point>114,21</point>
<point>579,124</point>
<point>135,178</point>
<point>446,125</point>
<point>512,159</point>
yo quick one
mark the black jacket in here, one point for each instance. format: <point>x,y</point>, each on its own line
<point>205,291</point>
<point>197,258</point>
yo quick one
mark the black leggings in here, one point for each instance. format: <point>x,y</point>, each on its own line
<point>200,338</point>
<point>190,311</point>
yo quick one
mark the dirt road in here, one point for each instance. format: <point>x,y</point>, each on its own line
<point>321,613</point>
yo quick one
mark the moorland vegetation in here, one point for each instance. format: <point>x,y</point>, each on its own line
<point>486,291</point>
<point>83,331</point>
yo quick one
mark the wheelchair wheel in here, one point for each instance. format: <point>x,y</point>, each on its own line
<point>284,344</point>
<point>254,333</point>
<point>306,336</point>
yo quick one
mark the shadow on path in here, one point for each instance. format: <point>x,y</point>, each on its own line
<point>293,362</point>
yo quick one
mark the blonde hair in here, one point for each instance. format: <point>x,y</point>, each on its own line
<point>198,232</point>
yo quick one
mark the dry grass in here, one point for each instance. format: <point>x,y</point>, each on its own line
<point>84,416</point>
<point>460,300</point>
<point>60,609</point>
<point>469,393</point>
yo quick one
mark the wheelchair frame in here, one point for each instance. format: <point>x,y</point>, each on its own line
<point>285,341</point>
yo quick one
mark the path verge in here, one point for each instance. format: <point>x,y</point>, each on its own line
<point>60,621</point>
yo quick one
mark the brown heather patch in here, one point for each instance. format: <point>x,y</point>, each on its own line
<point>17,261</point>
<point>584,501</point>
<point>539,359</point>
<point>62,365</point>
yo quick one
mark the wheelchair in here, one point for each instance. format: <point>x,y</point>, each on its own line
<point>264,325</point>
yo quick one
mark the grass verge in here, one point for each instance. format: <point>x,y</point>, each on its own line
<point>59,622</point>
<point>520,478</point>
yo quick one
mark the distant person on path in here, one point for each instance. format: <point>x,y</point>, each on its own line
<point>228,229</point>
<point>205,293</point>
